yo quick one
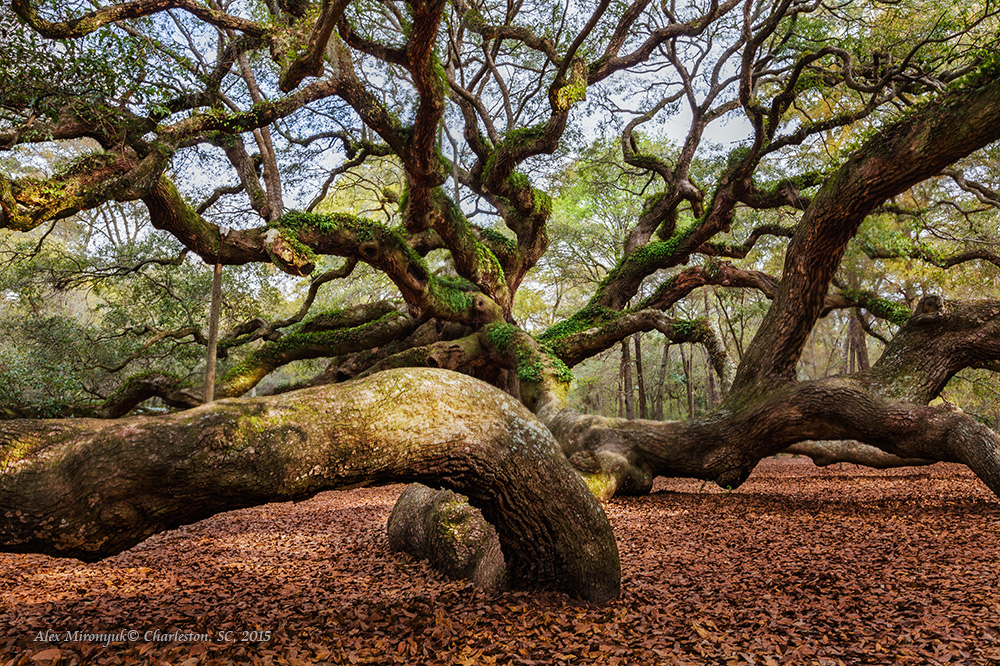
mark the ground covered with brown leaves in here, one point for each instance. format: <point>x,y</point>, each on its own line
<point>799,566</point>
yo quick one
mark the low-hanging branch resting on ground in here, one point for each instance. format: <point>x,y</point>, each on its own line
<point>89,489</point>
<point>725,447</point>
<point>884,407</point>
<point>824,454</point>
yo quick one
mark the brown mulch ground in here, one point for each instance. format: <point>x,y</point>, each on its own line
<point>799,566</point>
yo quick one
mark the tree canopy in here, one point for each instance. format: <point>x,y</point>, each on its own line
<point>608,160</point>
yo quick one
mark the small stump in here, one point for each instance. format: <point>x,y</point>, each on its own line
<point>440,526</point>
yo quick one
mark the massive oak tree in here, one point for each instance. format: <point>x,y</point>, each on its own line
<point>473,103</point>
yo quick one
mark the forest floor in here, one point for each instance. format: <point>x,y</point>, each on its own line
<point>801,565</point>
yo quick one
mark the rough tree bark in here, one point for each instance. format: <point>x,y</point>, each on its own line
<point>90,488</point>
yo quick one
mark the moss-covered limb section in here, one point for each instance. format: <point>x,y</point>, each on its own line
<point>169,211</point>
<point>310,340</point>
<point>595,327</point>
<point>523,208</point>
<point>722,274</point>
<point>586,317</point>
<point>473,259</point>
<point>78,117</point>
<point>897,313</point>
<point>353,317</point>
<point>457,299</point>
<point>359,315</point>
<point>575,347</point>
<point>200,125</point>
<point>939,339</point>
<point>90,489</point>
<point>498,173</point>
<point>501,179</point>
<point>569,88</point>
<point>676,242</point>
<point>143,387</point>
<point>460,354</point>
<point>350,366</point>
<point>622,282</point>
<point>351,236</point>
<point>87,182</point>
<point>544,378</point>
<point>367,105</point>
<point>505,249</point>
<point>824,454</point>
<point>257,328</point>
<point>659,215</point>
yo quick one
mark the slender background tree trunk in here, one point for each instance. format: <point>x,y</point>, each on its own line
<point>626,370</point>
<point>640,379</point>
<point>661,389</point>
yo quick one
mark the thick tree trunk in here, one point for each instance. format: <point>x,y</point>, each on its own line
<point>90,488</point>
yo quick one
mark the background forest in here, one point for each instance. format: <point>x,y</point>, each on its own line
<point>106,296</point>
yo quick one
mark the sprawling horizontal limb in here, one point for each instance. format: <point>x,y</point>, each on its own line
<point>725,446</point>
<point>88,489</point>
